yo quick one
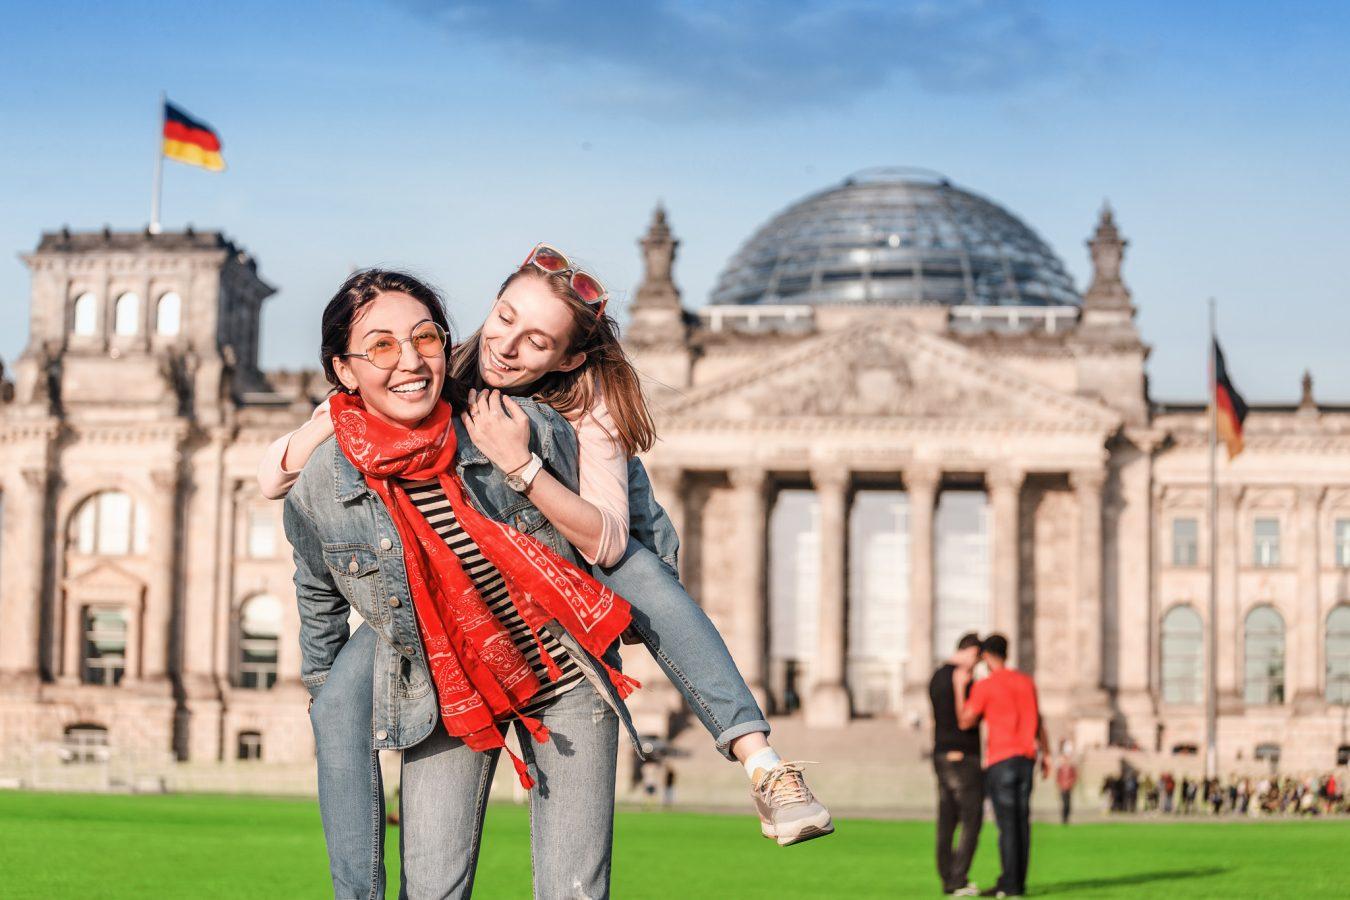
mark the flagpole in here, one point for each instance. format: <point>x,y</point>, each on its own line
<point>1212,632</point>
<point>159,168</point>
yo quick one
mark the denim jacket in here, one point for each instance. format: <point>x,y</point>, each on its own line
<point>348,554</point>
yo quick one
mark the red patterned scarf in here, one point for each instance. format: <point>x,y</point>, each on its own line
<point>481,678</point>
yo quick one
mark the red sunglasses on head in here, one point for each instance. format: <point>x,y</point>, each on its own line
<point>552,261</point>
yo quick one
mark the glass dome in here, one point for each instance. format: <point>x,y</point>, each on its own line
<point>899,237</point>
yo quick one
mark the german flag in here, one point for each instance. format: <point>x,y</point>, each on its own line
<point>1230,408</point>
<point>189,141</point>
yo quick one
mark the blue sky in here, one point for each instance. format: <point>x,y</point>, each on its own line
<point>450,136</point>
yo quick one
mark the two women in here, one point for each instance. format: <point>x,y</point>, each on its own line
<point>548,335</point>
<point>464,609</point>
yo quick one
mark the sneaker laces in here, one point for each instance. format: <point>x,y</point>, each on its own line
<point>784,785</point>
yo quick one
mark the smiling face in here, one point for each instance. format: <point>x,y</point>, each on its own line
<point>527,335</point>
<point>407,393</point>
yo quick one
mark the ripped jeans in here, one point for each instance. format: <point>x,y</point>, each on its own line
<point>675,629</point>
<point>445,790</point>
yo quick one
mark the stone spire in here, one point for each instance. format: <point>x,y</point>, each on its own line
<point>656,311</point>
<point>658,254</point>
<point>1307,404</point>
<point>1107,249</point>
<point>1108,314</point>
<point>1106,342</point>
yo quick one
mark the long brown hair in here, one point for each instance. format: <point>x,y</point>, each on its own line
<point>606,370</point>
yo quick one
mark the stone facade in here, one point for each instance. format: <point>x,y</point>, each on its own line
<point>134,540</point>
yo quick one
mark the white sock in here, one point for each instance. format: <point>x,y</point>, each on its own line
<point>764,759</point>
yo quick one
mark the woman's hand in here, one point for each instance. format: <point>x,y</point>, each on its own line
<point>498,425</point>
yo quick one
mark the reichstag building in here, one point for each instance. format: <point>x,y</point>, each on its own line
<point>896,420</point>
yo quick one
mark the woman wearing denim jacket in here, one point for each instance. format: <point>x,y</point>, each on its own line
<point>475,617</point>
<point>544,337</point>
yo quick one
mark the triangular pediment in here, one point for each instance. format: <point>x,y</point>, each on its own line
<point>105,581</point>
<point>887,371</point>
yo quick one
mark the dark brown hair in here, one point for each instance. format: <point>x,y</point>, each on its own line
<point>359,291</point>
<point>606,369</point>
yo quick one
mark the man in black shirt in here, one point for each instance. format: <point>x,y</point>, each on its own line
<point>956,762</point>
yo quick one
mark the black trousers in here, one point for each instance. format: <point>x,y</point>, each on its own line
<point>1009,784</point>
<point>1065,806</point>
<point>960,787</point>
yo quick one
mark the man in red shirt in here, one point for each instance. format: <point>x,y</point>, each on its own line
<point>1006,700</point>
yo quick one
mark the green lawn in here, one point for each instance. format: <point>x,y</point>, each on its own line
<point>57,845</point>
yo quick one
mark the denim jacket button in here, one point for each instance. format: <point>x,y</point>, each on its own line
<point>353,567</point>
<point>394,601</point>
<point>381,735</point>
<point>386,544</point>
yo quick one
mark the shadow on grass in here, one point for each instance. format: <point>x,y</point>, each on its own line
<point>1087,884</point>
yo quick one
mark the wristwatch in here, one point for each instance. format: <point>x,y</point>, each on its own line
<point>521,479</point>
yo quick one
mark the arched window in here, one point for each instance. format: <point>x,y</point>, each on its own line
<point>1263,650</point>
<point>169,314</point>
<point>86,315</point>
<point>259,631</point>
<point>127,315</point>
<point>1338,655</point>
<point>1183,655</point>
<point>105,645</point>
<point>86,743</point>
<point>110,523</point>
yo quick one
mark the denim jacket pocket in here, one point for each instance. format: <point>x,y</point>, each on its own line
<point>527,520</point>
<point>356,568</point>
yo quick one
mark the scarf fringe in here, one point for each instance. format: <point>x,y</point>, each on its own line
<point>522,770</point>
<point>537,729</point>
<point>622,683</point>
<point>554,672</point>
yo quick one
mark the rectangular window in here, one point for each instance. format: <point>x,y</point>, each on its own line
<point>262,533</point>
<point>250,746</point>
<point>105,646</point>
<point>1343,543</point>
<point>1185,542</point>
<point>1266,533</point>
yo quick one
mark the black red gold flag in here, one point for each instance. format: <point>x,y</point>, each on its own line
<point>1230,408</point>
<point>191,141</point>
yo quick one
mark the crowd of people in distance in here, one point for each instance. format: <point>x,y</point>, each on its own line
<point>1133,792</point>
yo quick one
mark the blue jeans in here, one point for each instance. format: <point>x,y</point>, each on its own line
<point>1009,786</point>
<point>686,645</point>
<point>445,791</point>
<point>351,791</point>
<point>675,629</point>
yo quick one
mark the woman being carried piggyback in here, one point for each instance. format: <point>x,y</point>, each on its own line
<point>548,337</point>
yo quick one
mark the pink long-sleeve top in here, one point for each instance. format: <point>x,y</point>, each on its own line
<point>602,470</point>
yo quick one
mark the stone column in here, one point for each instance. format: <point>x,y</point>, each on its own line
<point>921,487</point>
<point>1302,681</point>
<point>1087,487</point>
<point>668,485</point>
<point>1005,489</point>
<point>750,483</point>
<point>72,642</point>
<point>1226,571</point>
<point>21,614</point>
<point>828,704</point>
<point>163,559</point>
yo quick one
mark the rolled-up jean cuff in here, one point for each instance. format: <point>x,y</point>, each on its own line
<point>725,738</point>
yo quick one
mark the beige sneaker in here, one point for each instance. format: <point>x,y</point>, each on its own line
<point>788,811</point>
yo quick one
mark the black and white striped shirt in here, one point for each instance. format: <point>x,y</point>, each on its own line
<point>429,498</point>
